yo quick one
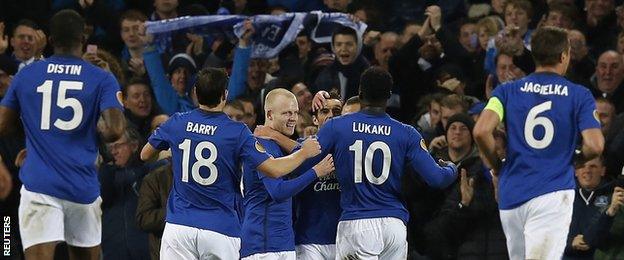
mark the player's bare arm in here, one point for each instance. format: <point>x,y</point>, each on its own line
<point>287,144</point>
<point>148,152</point>
<point>484,137</point>
<point>114,124</point>
<point>593,143</point>
<point>281,166</point>
<point>8,120</point>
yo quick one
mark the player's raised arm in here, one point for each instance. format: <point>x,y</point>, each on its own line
<point>113,124</point>
<point>281,166</point>
<point>484,137</point>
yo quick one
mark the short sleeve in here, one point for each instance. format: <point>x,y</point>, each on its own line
<point>252,152</point>
<point>160,137</point>
<point>587,115</point>
<point>110,95</point>
<point>500,93</point>
<point>10,99</point>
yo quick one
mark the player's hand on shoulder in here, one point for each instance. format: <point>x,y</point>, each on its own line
<point>311,147</point>
<point>325,166</point>
<point>264,132</point>
<point>444,163</point>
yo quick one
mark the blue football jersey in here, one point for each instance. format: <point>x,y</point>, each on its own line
<point>208,150</point>
<point>544,115</point>
<point>60,100</point>
<point>267,225</point>
<point>370,153</point>
<point>317,212</point>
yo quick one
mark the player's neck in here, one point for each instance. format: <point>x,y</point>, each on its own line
<point>550,69</point>
<point>218,108</point>
<point>75,52</point>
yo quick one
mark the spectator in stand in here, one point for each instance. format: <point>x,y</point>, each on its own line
<point>304,97</point>
<point>120,183</point>
<point>140,108</point>
<point>562,16</point>
<point>449,106</point>
<point>518,14</point>
<point>385,48</point>
<point>152,205</point>
<point>235,110</point>
<point>27,42</point>
<point>429,124</point>
<point>613,247</point>
<point>344,74</point>
<point>582,65</point>
<point>173,89</point>
<point>468,225</point>
<point>609,79</point>
<point>606,114</point>
<point>164,9</point>
<point>249,76</point>
<point>601,25</point>
<point>595,206</point>
<point>134,42</point>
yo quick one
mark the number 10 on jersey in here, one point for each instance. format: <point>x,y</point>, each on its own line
<point>357,147</point>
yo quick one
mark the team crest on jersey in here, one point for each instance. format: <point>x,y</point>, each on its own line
<point>601,201</point>
<point>423,145</point>
<point>260,148</point>
<point>119,97</point>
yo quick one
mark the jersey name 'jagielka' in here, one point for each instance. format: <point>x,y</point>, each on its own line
<point>544,115</point>
<point>60,100</point>
<point>207,151</point>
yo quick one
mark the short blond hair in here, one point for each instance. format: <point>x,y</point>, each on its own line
<point>274,94</point>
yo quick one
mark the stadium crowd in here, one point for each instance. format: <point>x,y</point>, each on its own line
<point>446,58</point>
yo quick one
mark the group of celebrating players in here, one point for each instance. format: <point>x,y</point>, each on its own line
<point>357,159</point>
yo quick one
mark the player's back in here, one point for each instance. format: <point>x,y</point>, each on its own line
<point>370,152</point>
<point>544,114</point>
<point>60,100</point>
<point>207,148</point>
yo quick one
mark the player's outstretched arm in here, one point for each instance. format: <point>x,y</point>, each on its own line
<point>280,189</point>
<point>283,141</point>
<point>114,125</point>
<point>593,143</point>
<point>484,137</point>
<point>281,166</point>
<point>148,152</point>
<point>8,120</point>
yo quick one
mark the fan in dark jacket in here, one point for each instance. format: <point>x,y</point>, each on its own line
<point>152,206</point>
<point>120,182</point>
<point>343,75</point>
<point>592,216</point>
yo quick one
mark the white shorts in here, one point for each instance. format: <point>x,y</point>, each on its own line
<point>538,229</point>
<point>43,219</point>
<point>315,252</point>
<point>286,255</point>
<point>183,242</point>
<point>373,238</point>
